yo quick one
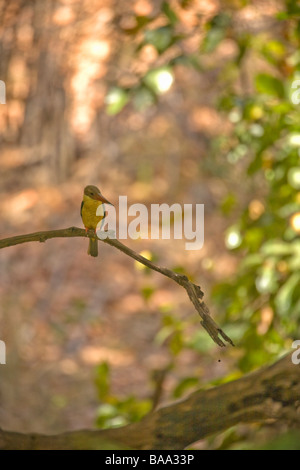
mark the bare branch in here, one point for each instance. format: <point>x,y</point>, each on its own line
<point>194,292</point>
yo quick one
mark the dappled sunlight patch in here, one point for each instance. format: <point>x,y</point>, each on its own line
<point>205,119</point>
<point>267,315</point>
<point>256,209</point>
<point>130,303</point>
<point>295,222</point>
<point>95,354</point>
<point>16,206</point>
<point>63,16</point>
<point>143,7</point>
<point>163,298</point>
<point>68,366</point>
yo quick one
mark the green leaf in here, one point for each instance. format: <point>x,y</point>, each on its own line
<point>251,260</point>
<point>236,330</point>
<point>143,98</point>
<point>169,12</point>
<point>294,260</point>
<point>191,60</point>
<point>161,38</point>
<point>141,21</point>
<point>159,80</point>
<point>266,282</point>
<point>184,385</point>
<point>133,409</point>
<point>102,381</point>
<point>287,441</point>
<point>147,292</point>
<point>294,177</point>
<point>106,413</point>
<point>255,164</point>
<point>284,298</point>
<point>221,20</point>
<point>216,32</point>
<point>253,238</point>
<point>228,204</point>
<point>269,85</point>
<point>116,99</point>
<point>212,39</point>
<point>276,248</point>
<point>200,342</point>
<point>176,342</point>
<point>163,334</point>
<point>273,51</point>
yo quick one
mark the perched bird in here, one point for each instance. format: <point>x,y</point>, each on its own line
<point>92,212</point>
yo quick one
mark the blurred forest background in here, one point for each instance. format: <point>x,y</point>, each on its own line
<point>187,101</point>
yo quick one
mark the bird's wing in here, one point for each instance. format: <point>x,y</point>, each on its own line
<point>81,208</point>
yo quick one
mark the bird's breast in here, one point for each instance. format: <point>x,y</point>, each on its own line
<point>92,213</point>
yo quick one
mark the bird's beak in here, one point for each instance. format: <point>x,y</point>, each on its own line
<point>101,198</point>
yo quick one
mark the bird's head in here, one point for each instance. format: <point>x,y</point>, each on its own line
<point>94,193</point>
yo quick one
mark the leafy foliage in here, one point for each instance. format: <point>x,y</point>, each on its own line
<point>113,411</point>
<point>261,303</point>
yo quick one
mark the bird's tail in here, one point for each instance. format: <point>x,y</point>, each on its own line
<point>93,247</point>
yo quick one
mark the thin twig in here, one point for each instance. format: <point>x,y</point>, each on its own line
<point>194,291</point>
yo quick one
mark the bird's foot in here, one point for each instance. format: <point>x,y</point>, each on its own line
<point>90,231</point>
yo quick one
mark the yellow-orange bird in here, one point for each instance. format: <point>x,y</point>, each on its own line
<point>92,212</point>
